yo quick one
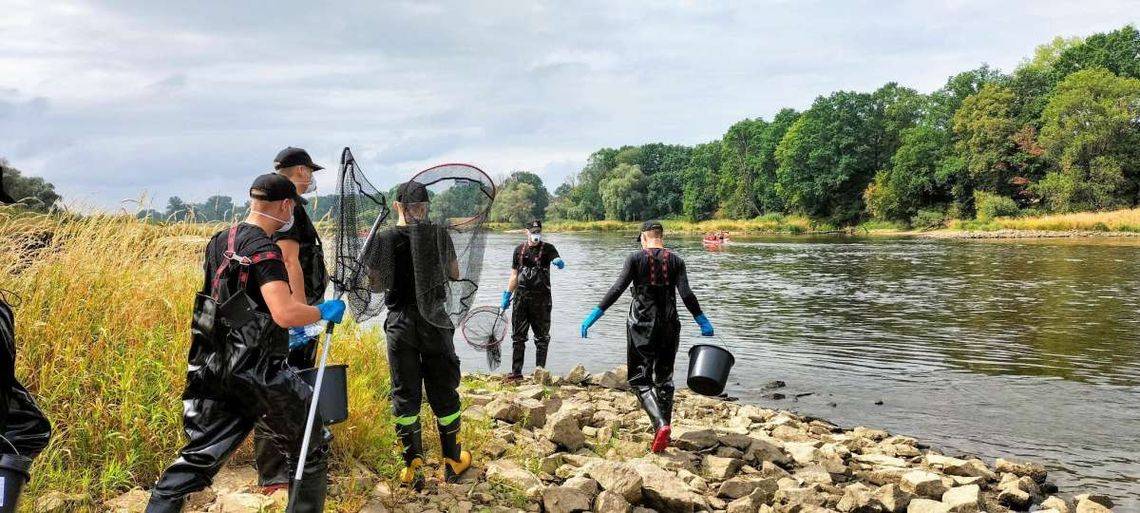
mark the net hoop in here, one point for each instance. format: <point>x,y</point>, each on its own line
<point>482,341</point>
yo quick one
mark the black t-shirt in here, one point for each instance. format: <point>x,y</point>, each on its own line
<point>397,241</point>
<point>305,233</point>
<point>248,241</point>
<point>644,268</point>
<point>533,265</point>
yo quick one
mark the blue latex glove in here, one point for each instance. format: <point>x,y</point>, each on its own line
<point>595,314</point>
<point>706,326</point>
<point>506,300</point>
<point>297,338</point>
<point>558,263</point>
<point>332,311</point>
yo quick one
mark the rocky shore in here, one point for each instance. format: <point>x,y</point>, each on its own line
<point>580,443</point>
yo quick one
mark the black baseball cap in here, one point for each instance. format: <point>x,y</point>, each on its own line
<point>534,226</point>
<point>291,156</point>
<point>4,197</point>
<point>647,226</point>
<point>273,187</point>
<point>412,192</point>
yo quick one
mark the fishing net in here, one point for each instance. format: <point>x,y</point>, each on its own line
<point>431,257</point>
<point>361,211</point>
<point>484,328</point>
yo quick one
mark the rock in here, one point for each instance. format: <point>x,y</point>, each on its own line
<point>608,380</point>
<point>941,462</point>
<point>814,474</point>
<point>543,376</point>
<point>510,473</point>
<point>577,375</point>
<point>530,392</point>
<point>803,453</point>
<point>725,451</point>
<point>769,469</point>
<point>717,467</point>
<point>1056,503</point>
<point>857,498</point>
<point>972,468</point>
<point>133,501</point>
<point>59,502</point>
<point>886,475</point>
<point>610,502</point>
<point>759,450</point>
<point>550,464</point>
<point>966,481</point>
<point>789,433</point>
<point>618,478</point>
<point>374,505</point>
<point>241,503</point>
<point>533,412</point>
<point>870,434</point>
<point>561,499</point>
<point>963,499</point>
<point>665,492</point>
<point>892,498</point>
<point>737,487</point>
<point>1013,498</point>
<point>923,484</point>
<point>879,460</point>
<point>1034,470</point>
<point>799,497</point>
<point>690,439</point>
<point>1093,504</point>
<point>505,410</point>
<point>926,506</point>
<point>755,501</point>
<point>563,430</point>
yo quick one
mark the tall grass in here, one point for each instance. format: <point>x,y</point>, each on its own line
<point>764,224</point>
<point>102,339</point>
<point>1126,220</point>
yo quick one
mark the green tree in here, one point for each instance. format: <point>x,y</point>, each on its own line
<point>541,197</point>
<point>1090,128</point>
<point>664,195</point>
<point>176,209</point>
<point>994,147</point>
<point>514,204</point>
<point>1117,51</point>
<point>216,208</point>
<point>32,192</point>
<point>699,194</point>
<point>623,193</point>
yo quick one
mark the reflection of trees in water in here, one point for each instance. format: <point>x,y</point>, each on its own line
<point>1064,310</point>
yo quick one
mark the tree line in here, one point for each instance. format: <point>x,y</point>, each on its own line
<point>1060,133</point>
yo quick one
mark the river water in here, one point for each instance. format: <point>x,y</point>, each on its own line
<point>997,349</point>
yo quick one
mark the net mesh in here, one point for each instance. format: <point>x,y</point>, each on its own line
<point>484,328</point>
<point>361,211</point>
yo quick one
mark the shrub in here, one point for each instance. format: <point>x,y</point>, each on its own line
<point>990,206</point>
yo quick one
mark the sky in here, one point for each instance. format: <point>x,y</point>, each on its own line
<point>118,100</point>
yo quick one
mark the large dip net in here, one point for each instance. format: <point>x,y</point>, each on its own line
<point>361,212</point>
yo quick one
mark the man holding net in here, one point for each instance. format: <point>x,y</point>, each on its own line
<point>530,285</point>
<point>653,330</point>
<point>414,263</point>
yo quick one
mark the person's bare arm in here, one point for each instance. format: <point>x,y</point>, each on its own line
<point>513,283</point>
<point>286,311</point>
<point>291,253</point>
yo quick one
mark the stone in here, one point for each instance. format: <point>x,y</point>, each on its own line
<point>926,506</point>
<point>745,504</point>
<point>923,484</point>
<point>813,474</point>
<point>963,499</point>
<point>374,505</point>
<point>941,462</point>
<point>1103,500</point>
<point>1013,498</point>
<point>533,412</point>
<point>966,481</point>
<point>717,467</point>
<point>1056,503</point>
<point>879,460</point>
<point>241,503</point>
<point>561,499</point>
<point>858,498</point>
<point>543,376</point>
<point>505,410</point>
<point>577,375</point>
<point>1034,470</point>
<point>563,430</point>
<point>739,441</point>
<point>769,469</point>
<point>510,473</point>
<point>134,501</point>
<point>608,380</point>
<point>760,450</point>
<point>736,488</point>
<point>725,451</point>
<point>618,478</point>
<point>610,502</point>
<point>666,492</point>
<point>972,468</point>
<point>1088,504</point>
<point>803,453</point>
<point>892,498</point>
<point>886,475</point>
<point>690,439</point>
<point>789,433</point>
<point>870,434</point>
<point>550,464</point>
<point>799,497</point>
<point>59,502</point>
<point>531,392</point>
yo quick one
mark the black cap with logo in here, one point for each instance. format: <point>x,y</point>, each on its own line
<point>273,187</point>
<point>291,156</point>
<point>534,226</point>
<point>648,226</point>
<point>412,192</point>
<point>4,197</point>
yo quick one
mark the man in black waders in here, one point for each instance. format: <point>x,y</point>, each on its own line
<point>305,262</point>
<point>238,377</point>
<point>530,276</point>
<point>410,263</point>
<point>24,427</point>
<point>653,330</point>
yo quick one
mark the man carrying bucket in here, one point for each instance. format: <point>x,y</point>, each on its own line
<point>304,260</point>
<point>653,330</point>
<point>237,377</point>
<point>530,277</point>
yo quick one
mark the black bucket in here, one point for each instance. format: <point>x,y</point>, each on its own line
<point>13,476</point>
<point>708,369</point>
<point>333,402</point>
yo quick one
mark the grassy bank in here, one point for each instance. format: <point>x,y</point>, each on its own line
<point>761,225</point>
<point>101,325</point>
<point>1126,220</point>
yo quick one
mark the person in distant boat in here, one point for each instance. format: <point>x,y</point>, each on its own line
<point>530,278</point>
<point>653,329</point>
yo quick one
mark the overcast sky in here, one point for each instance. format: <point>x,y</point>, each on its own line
<point>109,100</point>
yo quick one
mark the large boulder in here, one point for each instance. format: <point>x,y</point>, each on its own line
<point>533,412</point>
<point>504,409</point>
<point>892,498</point>
<point>760,451</point>
<point>563,429</point>
<point>858,498</point>
<point>923,484</point>
<point>610,502</point>
<point>971,468</point>
<point>1093,504</point>
<point>510,473</point>
<point>561,499</point>
<point>1056,503</point>
<point>694,439</point>
<point>618,478</point>
<point>583,484</point>
<point>1031,469</point>
<point>577,375</point>
<point>963,499</point>
<point>666,492</point>
<point>720,468</point>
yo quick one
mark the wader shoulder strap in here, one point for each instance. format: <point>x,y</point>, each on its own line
<point>537,260</point>
<point>243,262</point>
<point>658,268</point>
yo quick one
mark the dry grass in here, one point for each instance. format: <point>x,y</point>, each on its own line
<point>1127,220</point>
<point>766,224</point>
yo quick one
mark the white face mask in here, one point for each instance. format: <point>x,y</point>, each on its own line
<point>312,186</point>
<point>284,228</point>
<point>535,238</point>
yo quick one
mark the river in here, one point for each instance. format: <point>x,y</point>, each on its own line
<point>997,349</point>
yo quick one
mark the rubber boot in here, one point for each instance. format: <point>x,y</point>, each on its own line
<point>665,400</point>
<point>309,494</point>
<point>540,355</point>
<point>412,443</point>
<point>661,428</point>
<point>162,505</point>
<point>455,459</point>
